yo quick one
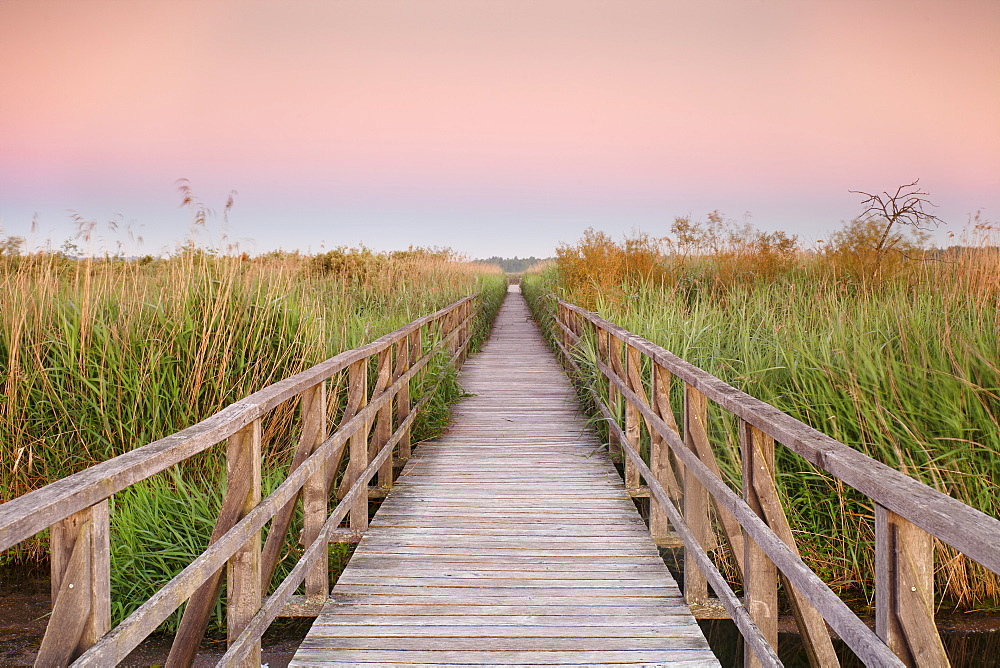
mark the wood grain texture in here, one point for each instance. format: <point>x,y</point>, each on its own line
<point>511,540</point>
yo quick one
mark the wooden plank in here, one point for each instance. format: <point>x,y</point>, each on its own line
<point>851,629</point>
<point>633,371</point>
<point>659,456</point>
<point>315,492</point>
<point>812,626</point>
<point>358,451</point>
<point>308,655</point>
<point>383,423</point>
<point>313,411</point>
<point>194,622</point>
<point>904,590</point>
<point>243,571</point>
<point>72,604</point>
<point>695,500</point>
<point>760,575</point>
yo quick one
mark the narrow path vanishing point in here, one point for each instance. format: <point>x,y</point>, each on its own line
<point>509,541</point>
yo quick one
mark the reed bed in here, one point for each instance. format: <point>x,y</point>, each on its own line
<point>904,367</point>
<point>100,356</point>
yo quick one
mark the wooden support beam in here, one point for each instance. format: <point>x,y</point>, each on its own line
<point>633,431</point>
<point>358,450</point>
<point>812,626</point>
<point>695,500</point>
<point>403,361</point>
<point>760,575</point>
<point>659,455</point>
<point>316,491</point>
<point>383,423</point>
<point>605,353</point>
<point>732,531</point>
<point>243,576</point>
<point>904,590</point>
<point>80,557</point>
<point>313,433</point>
<point>199,607</point>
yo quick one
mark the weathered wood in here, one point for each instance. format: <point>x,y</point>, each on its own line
<point>358,452</point>
<point>815,636</point>
<point>604,353</point>
<point>313,433</point>
<point>695,500</point>
<point>851,629</point>
<point>633,371</point>
<point>315,492</point>
<point>383,424</point>
<point>72,604</point>
<point>659,455</point>
<point>194,622</point>
<point>240,649</point>
<point>126,636</point>
<point>760,576</point>
<point>243,581</point>
<point>904,590</point>
<point>702,446</point>
<point>62,543</point>
<point>968,530</point>
<point>404,357</point>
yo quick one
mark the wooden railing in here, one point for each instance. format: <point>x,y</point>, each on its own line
<point>683,478</point>
<point>76,507</point>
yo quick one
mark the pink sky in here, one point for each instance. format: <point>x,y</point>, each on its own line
<point>492,126</point>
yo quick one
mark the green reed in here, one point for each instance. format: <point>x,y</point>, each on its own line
<point>907,372</point>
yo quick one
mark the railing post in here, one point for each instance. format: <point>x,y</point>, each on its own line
<point>608,355</point>
<point>357,379</point>
<point>80,557</point>
<point>447,328</point>
<point>402,365</point>
<point>414,349</point>
<point>563,317</point>
<point>316,490</point>
<point>383,424</point>
<point>469,308</point>
<point>904,590</point>
<point>243,589</point>
<point>633,431</point>
<point>760,575</point>
<point>659,453</point>
<point>695,499</point>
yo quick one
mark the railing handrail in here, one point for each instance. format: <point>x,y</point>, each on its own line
<point>970,531</point>
<point>30,513</point>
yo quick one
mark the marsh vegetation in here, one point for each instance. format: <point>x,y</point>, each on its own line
<point>891,349</point>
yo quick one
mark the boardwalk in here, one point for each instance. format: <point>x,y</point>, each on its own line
<point>511,540</point>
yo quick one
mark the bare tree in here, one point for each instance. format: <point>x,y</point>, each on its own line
<point>905,208</point>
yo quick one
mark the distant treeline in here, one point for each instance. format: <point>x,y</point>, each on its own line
<point>513,265</point>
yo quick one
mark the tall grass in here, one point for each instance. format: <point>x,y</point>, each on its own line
<point>907,370</point>
<point>98,357</point>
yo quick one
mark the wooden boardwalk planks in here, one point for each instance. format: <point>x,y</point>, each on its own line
<point>509,541</point>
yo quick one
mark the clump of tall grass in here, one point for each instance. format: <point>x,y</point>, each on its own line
<point>100,356</point>
<point>903,366</point>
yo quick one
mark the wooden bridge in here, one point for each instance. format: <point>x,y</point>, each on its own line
<point>512,539</point>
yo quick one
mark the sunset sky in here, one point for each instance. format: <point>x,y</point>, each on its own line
<point>495,127</point>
